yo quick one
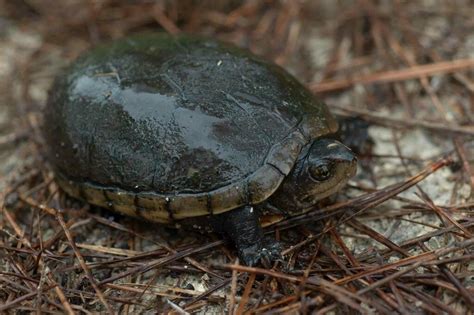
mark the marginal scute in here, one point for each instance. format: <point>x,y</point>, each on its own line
<point>118,196</point>
<point>263,183</point>
<point>152,207</point>
<point>120,200</point>
<point>70,187</point>
<point>227,198</point>
<point>188,205</point>
<point>154,215</point>
<point>129,210</point>
<point>314,126</point>
<point>284,154</point>
<point>94,196</point>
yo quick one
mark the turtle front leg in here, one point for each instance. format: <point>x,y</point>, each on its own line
<point>243,228</point>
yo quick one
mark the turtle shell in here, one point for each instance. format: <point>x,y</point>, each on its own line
<point>167,127</point>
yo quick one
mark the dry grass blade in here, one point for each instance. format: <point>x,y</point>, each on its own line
<point>444,214</point>
<point>159,262</point>
<point>467,296</point>
<point>109,250</point>
<point>233,290</point>
<point>414,72</point>
<point>177,308</point>
<point>327,287</point>
<point>62,296</point>
<point>209,292</point>
<point>161,243</point>
<point>443,129</point>
<point>13,138</point>
<point>14,303</point>
<point>377,236</point>
<point>421,258</point>
<point>83,264</point>
<point>465,161</point>
<point>246,294</point>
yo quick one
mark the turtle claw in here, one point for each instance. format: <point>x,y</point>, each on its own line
<point>266,253</point>
<point>242,227</point>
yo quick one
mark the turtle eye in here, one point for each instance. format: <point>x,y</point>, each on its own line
<point>320,172</point>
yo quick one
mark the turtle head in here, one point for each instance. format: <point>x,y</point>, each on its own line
<point>323,167</point>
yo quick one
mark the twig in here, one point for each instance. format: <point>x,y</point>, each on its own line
<point>414,72</point>
<point>100,295</point>
<point>245,296</point>
<point>442,129</point>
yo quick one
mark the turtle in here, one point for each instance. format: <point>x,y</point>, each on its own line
<point>178,128</point>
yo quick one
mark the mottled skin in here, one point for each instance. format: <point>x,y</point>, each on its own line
<point>168,128</point>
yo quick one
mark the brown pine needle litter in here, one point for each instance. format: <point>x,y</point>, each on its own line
<point>397,240</point>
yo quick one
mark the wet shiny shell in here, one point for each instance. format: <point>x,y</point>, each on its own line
<point>167,128</point>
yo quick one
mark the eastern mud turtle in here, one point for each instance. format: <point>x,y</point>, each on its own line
<point>178,128</point>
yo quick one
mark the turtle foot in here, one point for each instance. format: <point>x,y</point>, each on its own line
<point>242,227</point>
<point>266,252</point>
